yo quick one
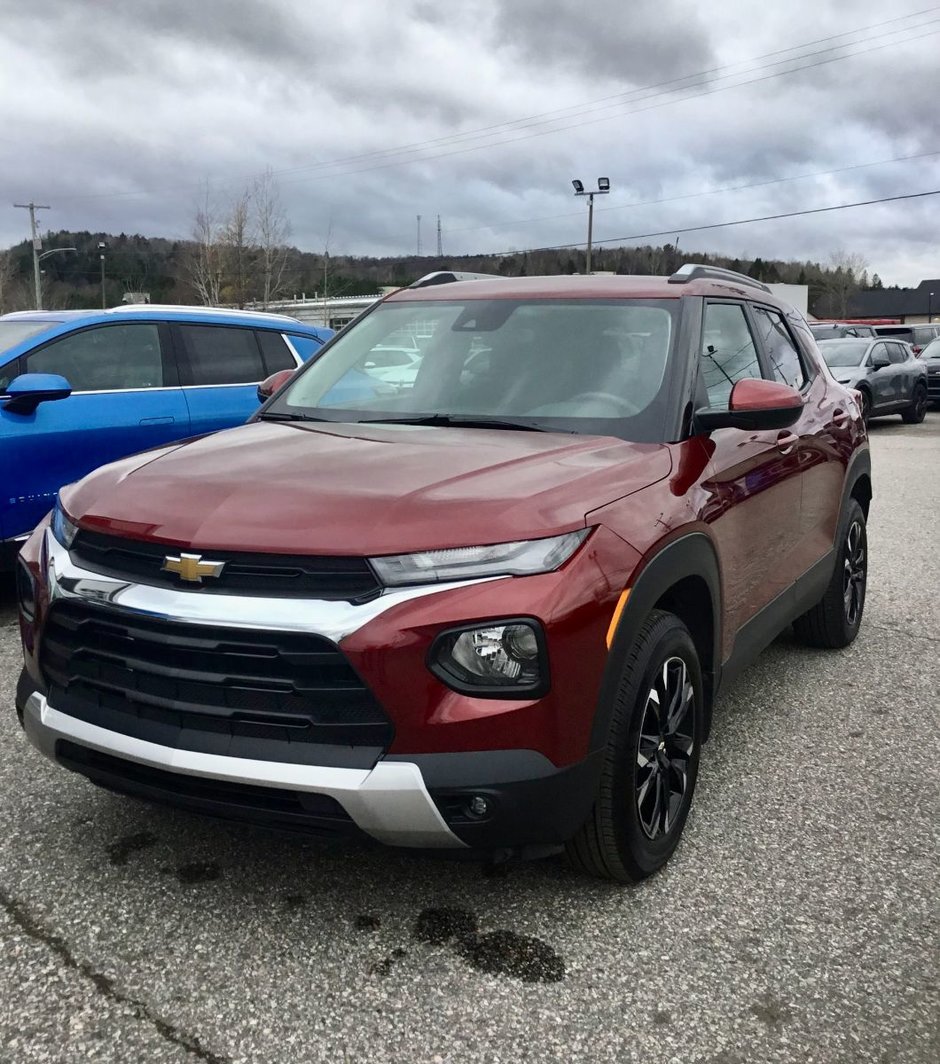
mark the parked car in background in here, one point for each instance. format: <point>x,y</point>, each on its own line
<point>930,357</point>
<point>488,613</point>
<point>918,336</point>
<point>394,365</point>
<point>82,388</point>
<point>886,373</point>
<point>833,330</point>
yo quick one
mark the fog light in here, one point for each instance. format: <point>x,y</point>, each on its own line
<point>478,806</point>
<point>494,659</point>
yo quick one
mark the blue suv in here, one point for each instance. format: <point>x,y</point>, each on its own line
<point>124,380</point>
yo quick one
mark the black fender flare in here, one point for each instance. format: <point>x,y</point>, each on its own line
<point>859,466</point>
<point>692,554</point>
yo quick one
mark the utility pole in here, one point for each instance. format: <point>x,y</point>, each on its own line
<point>419,236</point>
<point>102,247</point>
<point>37,243</point>
<point>440,239</point>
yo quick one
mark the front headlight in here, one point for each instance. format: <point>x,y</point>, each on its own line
<point>63,528</point>
<point>522,558</point>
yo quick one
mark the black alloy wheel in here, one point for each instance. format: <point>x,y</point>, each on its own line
<point>854,573</point>
<point>835,620</point>
<point>647,779</point>
<point>917,411</point>
<point>664,749</point>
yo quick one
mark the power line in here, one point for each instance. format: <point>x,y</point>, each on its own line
<point>510,224</point>
<point>718,225</point>
<point>522,124</point>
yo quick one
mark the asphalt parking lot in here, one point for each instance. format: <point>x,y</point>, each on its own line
<point>798,920</point>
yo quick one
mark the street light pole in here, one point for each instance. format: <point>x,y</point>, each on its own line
<point>101,250</point>
<point>929,307</point>
<point>37,244</point>
<point>603,187</point>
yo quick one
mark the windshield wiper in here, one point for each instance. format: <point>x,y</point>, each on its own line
<point>283,415</point>
<point>454,420</point>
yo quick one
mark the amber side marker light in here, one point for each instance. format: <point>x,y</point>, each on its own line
<point>615,620</point>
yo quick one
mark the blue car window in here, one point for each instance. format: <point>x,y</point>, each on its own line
<point>277,355</point>
<point>106,358</point>
<point>220,354</point>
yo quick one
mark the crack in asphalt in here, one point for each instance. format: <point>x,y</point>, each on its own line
<point>104,985</point>
<point>903,631</point>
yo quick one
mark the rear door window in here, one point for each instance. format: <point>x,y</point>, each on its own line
<point>896,353</point>
<point>779,347</point>
<point>107,358</point>
<point>275,352</point>
<point>219,354</point>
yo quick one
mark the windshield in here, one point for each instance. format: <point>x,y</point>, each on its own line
<point>843,352</point>
<point>15,332</point>
<point>932,350</point>
<point>592,366</point>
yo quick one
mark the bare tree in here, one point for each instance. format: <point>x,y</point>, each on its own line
<point>271,230</point>
<point>6,278</point>
<point>843,281</point>
<point>238,251</point>
<point>204,264</point>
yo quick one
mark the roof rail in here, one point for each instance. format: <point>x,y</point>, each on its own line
<point>692,271</point>
<point>193,309</point>
<point>449,276</point>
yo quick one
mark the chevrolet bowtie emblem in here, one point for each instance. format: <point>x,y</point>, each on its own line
<point>191,567</point>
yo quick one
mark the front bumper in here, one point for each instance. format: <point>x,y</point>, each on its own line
<point>418,802</point>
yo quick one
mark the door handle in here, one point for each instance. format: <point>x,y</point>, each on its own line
<point>840,417</point>
<point>157,420</point>
<point>786,441</point>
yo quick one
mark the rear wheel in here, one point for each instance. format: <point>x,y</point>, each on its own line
<point>652,757</point>
<point>917,411</point>
<point>834,621</point>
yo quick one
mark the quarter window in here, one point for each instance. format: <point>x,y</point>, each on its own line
<point>728,351</point>
<point>220,354</point>
<point>780,347</point>
<point>108,358</point>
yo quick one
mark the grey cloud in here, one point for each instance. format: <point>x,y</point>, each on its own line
<point>627,42</point>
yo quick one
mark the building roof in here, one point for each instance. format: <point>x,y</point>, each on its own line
<point>895,302</point>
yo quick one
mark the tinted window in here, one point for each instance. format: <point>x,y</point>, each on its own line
<point>277,355</point>
<point>728,351</point>
<point>106,358</point>
<point>780,348</point>
<point>896,353</point>
<point>220,354</point>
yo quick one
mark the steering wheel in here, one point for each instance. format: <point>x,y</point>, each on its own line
<point>627,408</point>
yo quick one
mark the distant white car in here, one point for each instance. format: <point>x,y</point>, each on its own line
<point>393,365</point>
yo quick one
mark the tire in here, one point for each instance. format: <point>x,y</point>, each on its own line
<point>917,411</point>
<point>835,620</point>
<point>865,404</point>
<point>632,831</point>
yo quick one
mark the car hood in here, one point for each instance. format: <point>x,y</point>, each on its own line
<point>362,489</point>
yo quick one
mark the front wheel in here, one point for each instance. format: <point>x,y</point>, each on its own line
<point>652,757</point>
<point>835,620</point>
<point>917,411</point>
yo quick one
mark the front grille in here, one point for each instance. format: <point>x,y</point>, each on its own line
<point>315,813</point>
<point>280,696</point>
<point>275,575</point>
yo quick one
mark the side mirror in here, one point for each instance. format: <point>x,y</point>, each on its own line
<point>274,383</point>
<point>25,392</point>
<point>880,362</point>
<point>755,405</point>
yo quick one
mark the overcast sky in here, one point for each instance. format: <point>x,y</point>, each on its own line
<point>482,111</point>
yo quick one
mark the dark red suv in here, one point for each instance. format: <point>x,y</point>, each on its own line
<point>488,609</point>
